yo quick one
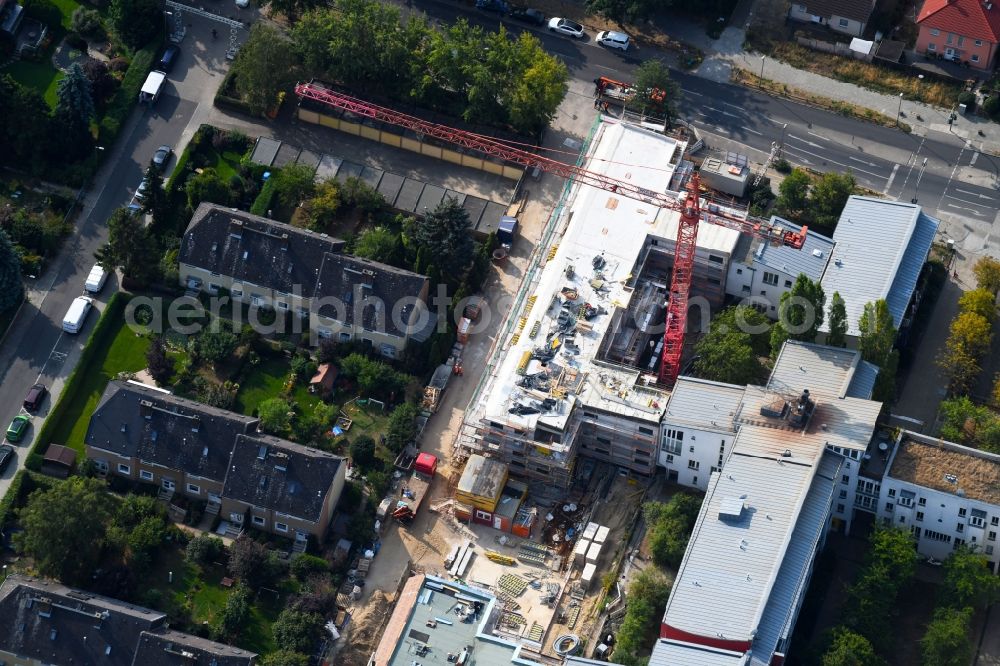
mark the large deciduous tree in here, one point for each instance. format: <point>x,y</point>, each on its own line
<point>136,22</point>
<point>987,272</point>
<point>793,194</point>
<point>968,341</point>
<point>946,641</point>
<point>800,313</point>
<point>829,196</point>
<point>728,357</point>
<point>670,527</point>
<point>264,67</point>
<point>26,132</point>
<point>296,631</point>
<point>877,332</point>
<point>968,580</point>
<point>848,648</point>
<point>129,247</point>
<point>274,415</point>
<point>65,527</point>
<point>655,91</point>
<point>647,595</point>
<point>11,282</point>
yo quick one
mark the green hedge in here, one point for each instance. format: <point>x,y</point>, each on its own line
<point>263,201</point>
<point>225,100</point>
<point>127,94</point>
<point>115,309</point>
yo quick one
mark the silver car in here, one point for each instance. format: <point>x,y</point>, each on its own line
<point>162,156</point>
<point>566,27</point>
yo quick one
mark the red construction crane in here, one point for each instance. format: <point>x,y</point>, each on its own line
<point>692,209</point>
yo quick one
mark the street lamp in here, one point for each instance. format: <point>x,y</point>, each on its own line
<point>760,82</point>
<point>166,22</point>
<point>900,109</point>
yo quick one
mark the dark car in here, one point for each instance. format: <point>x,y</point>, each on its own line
<point>169,57</point>
<point>499,6</point>
<point>6,455</point>
<point>528,15</point>
<point>36,394</point>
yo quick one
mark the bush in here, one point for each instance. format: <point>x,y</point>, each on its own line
<point>782,165</point>
<point>204,549</point>
<point>262,203</point>
<point>304,566</point>
<point>992,106</point>
<point>122,103</point>
<point>87,22</point>
<point>76,41</point>
<point>968,99</point>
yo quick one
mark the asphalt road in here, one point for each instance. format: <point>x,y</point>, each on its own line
<point>35,349</point>
<point>957,180</point>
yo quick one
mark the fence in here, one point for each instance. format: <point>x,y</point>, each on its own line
<point>836,48</point>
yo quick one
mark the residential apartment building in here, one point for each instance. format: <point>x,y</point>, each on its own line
<point>965,31</point>
<point>148,435</point>
<point>947,495</point>
<point>44,622</point>
<point>264,263</point>
<point>849,17</point>
<point>761,272</point>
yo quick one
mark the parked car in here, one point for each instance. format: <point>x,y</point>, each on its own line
<point>162,156</point>
<point>613,40</point>
<point>77,314</point>
<point>36,394</point>
<point>498,6</point>
<point>140,192</point>
<point>566,27</point>
<point>242,4</point>
<point>96,279</point>
<point>6,455</point>
<point>528,15</point>
<point>169,57</point>
<point>17,428</point>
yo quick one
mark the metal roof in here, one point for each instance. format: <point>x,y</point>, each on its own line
<point>676,653</point>
<point>704,404</point>
<point>872,237</point>
<point>863,382</point>
<point>909,269</point>
<point>811,260</point>
<point>825,371</point>
<point>791,581</point>
<point>731,564</point>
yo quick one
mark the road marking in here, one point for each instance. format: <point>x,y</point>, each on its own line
<point>776,122</point>
<point>975,156</point>
<point>747,129</point>
<point>974,211</point>
<point>892,177</point>
<point>846,166</point>
<point>871,164</point>
<point>610,69</point>
<point>971,203</point>
<point>721,129</point>
<point>975,194</point>
<point>805,141</point>
<point>818,136</point>
<point>951,177</point>
<point>735,106</point>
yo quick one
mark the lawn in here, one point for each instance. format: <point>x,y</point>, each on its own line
<point>125,353</point>
<point>41,76</point>
<point>263,381</point>
<point>226,164</point>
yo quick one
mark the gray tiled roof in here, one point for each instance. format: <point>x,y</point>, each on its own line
<point>370,291</point>
<point>810,260</point>
<point>275,474</point>
<point>254,249</point>
<point>857,10</point>
<point>140,421</point>
<point>172,648</point>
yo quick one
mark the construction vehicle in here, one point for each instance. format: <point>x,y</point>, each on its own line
<point>413,491</point>
<point>694,206</point>
<point>620,93</point>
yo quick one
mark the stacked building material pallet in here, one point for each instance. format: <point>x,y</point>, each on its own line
<point>512,585</point>
<point>536,632</point>
<point>572,615</point>
<point>508,601</point>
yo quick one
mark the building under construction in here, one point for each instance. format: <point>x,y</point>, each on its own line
<point>575,373</point>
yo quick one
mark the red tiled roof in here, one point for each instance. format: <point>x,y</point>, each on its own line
<point>969,18</point>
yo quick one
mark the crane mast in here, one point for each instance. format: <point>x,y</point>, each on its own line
<point>692,209</point>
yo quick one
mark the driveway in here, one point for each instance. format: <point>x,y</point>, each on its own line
<point>35,349</point>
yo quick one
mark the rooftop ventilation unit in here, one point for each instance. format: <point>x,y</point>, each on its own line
<point>731,508</point>
<point>775,409</point>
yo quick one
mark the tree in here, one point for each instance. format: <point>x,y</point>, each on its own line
<point>877,332</point>
<point>129,246</point>
<point>631,11</point>
<point>102,83</point>
<point>647,595</point>
<point>800,313</point>
<point>265,65</point>
<point>213,346</point>
<point>793,194</point>
<point>890,563</point>
<point>305,566</point>
<point>727,358</point>
<point>292,9</point>
<point>247,558</point>
<point>539,90</point>
<point>363,455</point>
<point>829,196</point>
<point>968,580</point>
<point>64,528</point>
<point>444,235</point>
<point>235,612</point>
<point>296,631</point>
<point>11,282</point>
<point>837,318</point>
<point>155,201</point>
<point>655,90</point>
<point>207,186</point>
<point>402,426</point>
<point>981,302</point>
<point>284,658</point>
<point>379,244</point>
<point>946,641</point>
<point>74,111</point>
<point>670,526</point>
<point>26,133</point>
<point>322,208</point>
<point>850,649</point>
<point>745,319</point>
<point>987,272</point>
<point>204,549</point>
<point>968,341</point>
<point>294,183</point>
<point>274,415</point>
<point>136,22</point>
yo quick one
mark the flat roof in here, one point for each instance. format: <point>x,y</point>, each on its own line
<point>668,652</point>
<point>810,261</point>
<point>731,563</point>
<point>602,226</point>
<point>873,238</point>
<point>711,237</point>
<point>932,463</point>
<point>483,477</point>
<point>704,404</point>
<point>825,371</point>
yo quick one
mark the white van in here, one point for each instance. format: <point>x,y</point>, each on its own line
<point>77,314</point>
<point>153,86</point>
<point>95,281</point>
<point>613,40</point>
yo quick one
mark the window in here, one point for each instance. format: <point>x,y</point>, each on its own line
<point>960,528</point>
<point>124,469</point>
<point>843,494</point>
<point>256,299</point>
<point>995,521</point>
<point>888,506</point>
<point>788,284</point>
<point>771,279</point>
<point>992,536</point>
<point>961,512</point>
<point>935,32</point>
<point>961,40</point>
<point>843,23</point>
<point>213,288</point>
<point>763,292</point>
<point>236,293</point>
<point>975,57</point>
<point>673,440</point>
<point>951,38</point>
<point>921,501</point>
<point>646,431</point>
<point>915,531</point>
<point>989,550</point>
<point>388,351</point>
<point>690,449</point>
<point>670,458</point>
<point>932,47</point>
<point>845,479</point>
<point>920,516</point>
<point>281,527</point>
<point>979,42</point>
<point>259,520</point>
<point>693,464</point>
<point>194,489</point>
<point>739,271</point>
<point>902,519</point>
<point>892,492</point>
<point>694,480</point>
<point>978,518</point>
<point>345,337</point>
<point>746,289</point>
<point>715,259</point>
<point>936,536</point>
<point>145,476</point>
<point>282,305</point>
<point>840,508</point>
